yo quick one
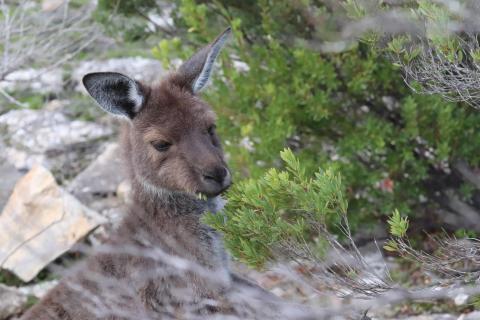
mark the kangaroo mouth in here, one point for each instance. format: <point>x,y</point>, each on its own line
<point>211,188</point>
<point>209,194</point>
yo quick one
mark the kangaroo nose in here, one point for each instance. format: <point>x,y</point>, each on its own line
<point>218,174</point>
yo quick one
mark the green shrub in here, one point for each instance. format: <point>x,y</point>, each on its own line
<point>348,111</point>
<point>281,207</point>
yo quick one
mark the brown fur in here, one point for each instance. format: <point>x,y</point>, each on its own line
<point>172,113</point>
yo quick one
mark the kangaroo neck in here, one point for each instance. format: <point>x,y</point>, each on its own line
<point>157,200</point>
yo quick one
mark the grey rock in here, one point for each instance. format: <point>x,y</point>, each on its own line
<point>38,290</point>
<point>12,301</point>
<point>475,315</point>
<point>390,103</point>
<point>113,209</point>
<point>433,317</point>
<point>49,138</point>
<point>9,176</point>
<point>101,178</point>
<point>141,69</point>
<point>37,80</point>
<point>40,131</point>
<point>461,299</point>
<point>124,191</point>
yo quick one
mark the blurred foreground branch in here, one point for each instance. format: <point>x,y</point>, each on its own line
<point>435,43</point>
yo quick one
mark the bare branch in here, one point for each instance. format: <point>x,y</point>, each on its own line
<point>31,37</point>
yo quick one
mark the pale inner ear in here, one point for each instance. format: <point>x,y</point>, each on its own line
<point>203,77</point>
<point>135,96</point>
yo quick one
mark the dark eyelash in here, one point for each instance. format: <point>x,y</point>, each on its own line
<point>161,146</point>
<point>211,130</point>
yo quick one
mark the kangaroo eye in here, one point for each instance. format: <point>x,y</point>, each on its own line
<point>211,130</point>
<point>161,146</point>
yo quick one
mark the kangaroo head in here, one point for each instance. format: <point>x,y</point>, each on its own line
<point>172,143</point>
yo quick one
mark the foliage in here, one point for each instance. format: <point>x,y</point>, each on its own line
<point>438,50</point>
<point>281,207</point>
<point>348,111</point>
<point>128,20</point>
<point>398,225</point>
<point>398,229</point>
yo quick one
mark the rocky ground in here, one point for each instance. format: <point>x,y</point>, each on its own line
<point>62,184</point>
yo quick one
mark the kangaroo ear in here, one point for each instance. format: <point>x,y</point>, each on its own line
<point>195,72</point>
<point>115,92</point>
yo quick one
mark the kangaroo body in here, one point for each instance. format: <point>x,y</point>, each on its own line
<point>156,265</point>
<point>161,262</point>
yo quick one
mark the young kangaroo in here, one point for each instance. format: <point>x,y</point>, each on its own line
<point>162,262</point>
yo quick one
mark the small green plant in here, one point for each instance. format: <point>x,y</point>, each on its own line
<point>282,206</point>
<point>9,279</point>
<point>25,99</point>
<point>31,301</point>
<point>398,229</point>
<point>398,225</point>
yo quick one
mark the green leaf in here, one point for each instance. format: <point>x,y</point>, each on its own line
<point>398,225</point>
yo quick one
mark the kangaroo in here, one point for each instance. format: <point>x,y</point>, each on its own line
<point>161,262</point>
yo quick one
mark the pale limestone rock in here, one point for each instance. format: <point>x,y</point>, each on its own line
<point>139,68</point>
<point>433,317</point>
<point>124,191</point>
<point>51,5</point>
<point>461,299</point>
<point>40,222</point>
<point>41,131</point>
<point>471,316</point>
<point>12,301</point>
<point>38,290</point>
<point>49,138</point>
<point>37,80</point>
